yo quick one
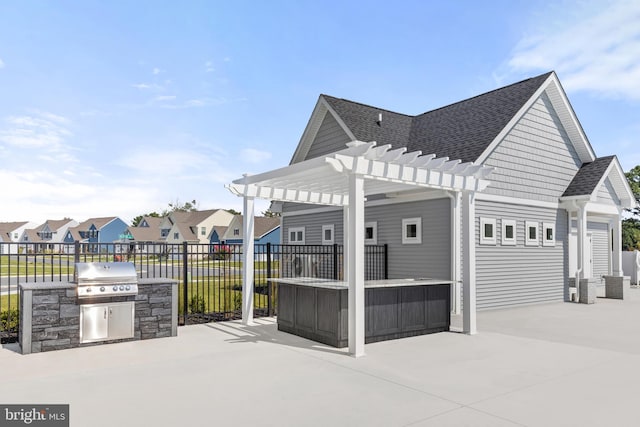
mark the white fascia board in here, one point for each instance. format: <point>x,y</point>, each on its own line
<point>599,208</point>
<point>621,185</point>
<point>498,139</point>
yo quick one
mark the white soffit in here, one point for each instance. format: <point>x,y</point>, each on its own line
<point>323,180</point>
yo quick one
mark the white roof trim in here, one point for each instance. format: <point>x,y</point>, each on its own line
<point>565,112</point>
<point>323,180</point>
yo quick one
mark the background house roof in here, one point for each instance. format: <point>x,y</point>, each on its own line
<point>6,228</point>
<point>463,130</point>
<point>261,225</point>
<point>147,234</point>
<point>98,222</point>
<point>588,177</point>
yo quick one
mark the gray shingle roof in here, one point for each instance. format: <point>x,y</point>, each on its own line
<point>588,176</point>
<point>459,131</point>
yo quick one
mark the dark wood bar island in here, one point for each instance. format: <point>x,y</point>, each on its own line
<point>317,309</point>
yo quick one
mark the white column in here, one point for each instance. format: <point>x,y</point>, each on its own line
<point>616,259</point>
<point>345,242</point>
<point>456,203</point>
<point>355,261</point>
<point>581,242</point>
<point>469,255</point>
<point>247,261</point>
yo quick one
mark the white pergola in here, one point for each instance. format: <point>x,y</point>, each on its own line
<point>345,178</point>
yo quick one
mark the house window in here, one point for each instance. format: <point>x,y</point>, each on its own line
<point>531,230</point>
<point>549,234</point>
<point>411,231</point>
<point>15,235</point>
<point>487,231</point>
<point>327,234</point>
<point>508,232</point>
<point>176,236</point>
<point>203,231</point>
<point>371,233</point>
<point>236,231</point>
<point>296,235</point>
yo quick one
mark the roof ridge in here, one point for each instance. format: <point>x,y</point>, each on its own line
<point>485,93</point>
<point>366,105</point>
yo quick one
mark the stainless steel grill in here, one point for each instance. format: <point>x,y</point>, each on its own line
<point>105,279</point>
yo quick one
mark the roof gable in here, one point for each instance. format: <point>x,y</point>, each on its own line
<point>467,130</point>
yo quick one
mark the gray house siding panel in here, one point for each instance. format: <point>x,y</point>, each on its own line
<point>600,248</point>
<point>520,274</point>
<point>329,139</point>
<point>606,194</point>
<point>536,159</point>
<point>432,258</point>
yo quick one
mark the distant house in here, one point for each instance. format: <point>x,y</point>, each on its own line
<point>10,232</point>
<point>193,227</point>
<point>144,235</point>
<point>266,230</point>
<point>49,236</point>
<point>217,234</point>
<point>97,231</point>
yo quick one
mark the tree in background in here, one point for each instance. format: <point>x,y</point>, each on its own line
<point>232,211</point>
<point>631,226</point>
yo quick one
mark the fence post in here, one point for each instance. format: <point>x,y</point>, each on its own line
<point>335,261</point>
<point>76,251</point>
<point>386,259</point>
<point>185,278</point>
<point>269,293</point>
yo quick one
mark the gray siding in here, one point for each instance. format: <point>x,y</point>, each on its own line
<point>432,258</point>
<point>535,160</point>
<point>599,248</point>
<point>606,194</point>
<point>329,139</point>
<point>511,275</point>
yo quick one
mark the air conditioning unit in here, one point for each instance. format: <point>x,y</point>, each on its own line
<point>302,265</point>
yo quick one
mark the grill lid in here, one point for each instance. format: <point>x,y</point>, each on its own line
<point>105,273</point>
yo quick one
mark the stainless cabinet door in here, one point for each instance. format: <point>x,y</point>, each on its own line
<point>93,322</point>
<point>121,320</point>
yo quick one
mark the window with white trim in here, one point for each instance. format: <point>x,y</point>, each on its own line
<point>548,234</point>
<point>411,231</point>
<point>296,235</point>
<point>371,233</point>
<point>487,231</point>
<point>328,234</point>
<point>203,231</point>
<point>531,234</point>
<point>509,232</point>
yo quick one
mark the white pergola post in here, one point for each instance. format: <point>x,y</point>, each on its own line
<point>356,265</point>
<point>616,258</point>
<point>456,203</point>
<point>345,242</point>
<point>469,256</point>
<point>247,260</point>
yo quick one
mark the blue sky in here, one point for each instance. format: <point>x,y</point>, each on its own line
<point>120,107</point>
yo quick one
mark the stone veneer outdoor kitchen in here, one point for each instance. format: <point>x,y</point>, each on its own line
<point>50,314</point>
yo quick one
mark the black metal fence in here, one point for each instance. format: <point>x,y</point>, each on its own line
<point>209,276</point>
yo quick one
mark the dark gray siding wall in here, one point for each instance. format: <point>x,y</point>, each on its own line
<point>329,139</point>
<point>520,274</point>
<point>600,248</point>
<point>432,258</point>
<point>536,160</point>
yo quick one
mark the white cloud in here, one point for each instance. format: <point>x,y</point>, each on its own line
<point>40,130</point>
<point>251,155</point>
<point>1,63</point>
<point>156,71</point>
<point>598,52</point>
<point>209,67</point>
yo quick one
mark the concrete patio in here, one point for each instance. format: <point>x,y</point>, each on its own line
<point>557,364</point>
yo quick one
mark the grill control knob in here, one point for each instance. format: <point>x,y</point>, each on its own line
<point>121,288</point>
<point>89,289</point>
<point>115,288</point>
<point>101,288</point>
<point>127,287</point>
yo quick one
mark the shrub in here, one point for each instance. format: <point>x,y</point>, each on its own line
<point>196,304</point>
<point>9,320</point>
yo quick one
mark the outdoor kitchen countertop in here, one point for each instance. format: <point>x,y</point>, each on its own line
<point>72,285</point>
<point>339,284</point>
